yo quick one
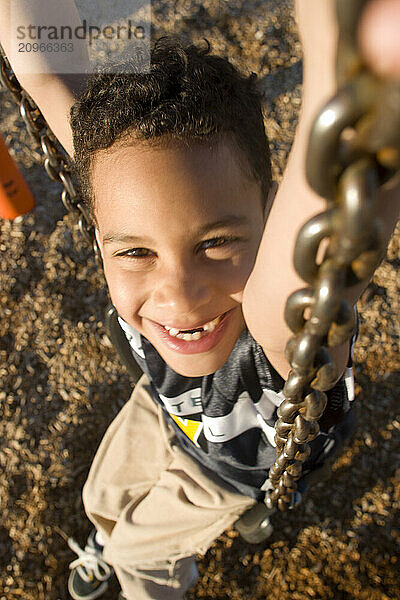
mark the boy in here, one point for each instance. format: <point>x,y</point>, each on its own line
<point>174,168</point>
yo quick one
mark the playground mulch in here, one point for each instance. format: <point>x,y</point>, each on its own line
<point>62,383</point>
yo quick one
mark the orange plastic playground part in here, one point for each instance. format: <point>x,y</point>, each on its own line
<point>15,196</point>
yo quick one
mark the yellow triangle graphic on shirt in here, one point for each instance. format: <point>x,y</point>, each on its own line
<point>191,428</point>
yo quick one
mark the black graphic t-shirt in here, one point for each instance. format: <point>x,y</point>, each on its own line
<point>226,420</point>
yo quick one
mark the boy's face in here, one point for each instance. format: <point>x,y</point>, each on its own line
<point>179,231</point>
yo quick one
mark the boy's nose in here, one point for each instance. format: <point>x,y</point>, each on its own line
<point>181,293</point>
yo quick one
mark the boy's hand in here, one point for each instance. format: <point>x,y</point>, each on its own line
<point>379,37</point>
<point>53,92</point>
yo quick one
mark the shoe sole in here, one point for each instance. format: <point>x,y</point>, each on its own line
<point>95,594</point>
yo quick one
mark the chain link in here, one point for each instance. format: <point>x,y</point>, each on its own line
<point>354,147</point>
<point>56,161</point>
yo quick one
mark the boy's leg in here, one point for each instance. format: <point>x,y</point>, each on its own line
<point>128,462</point>
<point>154,542</point>
<point>163,581</point>
<point>155,507</point>
<point>115,475</point>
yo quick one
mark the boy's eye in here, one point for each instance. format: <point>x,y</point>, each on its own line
<point>137,253</point>
<point>219,241</point>
<point>222,244</point>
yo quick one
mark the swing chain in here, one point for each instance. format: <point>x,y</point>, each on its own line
<point>56,161</point>
<point>354,147</point>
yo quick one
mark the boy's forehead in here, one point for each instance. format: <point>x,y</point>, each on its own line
<point>219,158</point>
<point>191,180</point>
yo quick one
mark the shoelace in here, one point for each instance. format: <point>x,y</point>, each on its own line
<point>89,562</point>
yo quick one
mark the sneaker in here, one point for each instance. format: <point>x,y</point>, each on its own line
<point>89,572</point>
<point>254,525</point>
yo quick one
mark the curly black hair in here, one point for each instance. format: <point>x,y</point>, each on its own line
<point>189,96</point>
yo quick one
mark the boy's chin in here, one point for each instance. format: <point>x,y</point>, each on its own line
<point>197,365</point>
<point>197,368</point>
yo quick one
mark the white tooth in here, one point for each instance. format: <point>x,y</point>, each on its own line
<point>189,337</point>
<point>208,327</point>
<point>212,324</point>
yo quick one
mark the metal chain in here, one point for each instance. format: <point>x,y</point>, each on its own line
<point>354,147</point>
<point>56,161</point>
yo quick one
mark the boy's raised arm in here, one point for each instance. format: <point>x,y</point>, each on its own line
<point>39,73</point>
<point>274,278</point>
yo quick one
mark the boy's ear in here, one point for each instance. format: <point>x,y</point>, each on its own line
<point>270,199</point>
<point>97,236</point>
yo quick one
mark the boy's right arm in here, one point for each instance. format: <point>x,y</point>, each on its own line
<point>274,278</point>
<point>53,92</point>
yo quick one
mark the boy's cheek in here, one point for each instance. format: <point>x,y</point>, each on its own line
<point>126,292</point>
<point>240,277</point>
<point>238,297</point>
<point>235,279</point>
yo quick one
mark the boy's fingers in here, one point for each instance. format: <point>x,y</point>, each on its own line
<point>379,36</point>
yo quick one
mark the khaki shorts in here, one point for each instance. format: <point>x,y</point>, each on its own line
<point>155,507</point>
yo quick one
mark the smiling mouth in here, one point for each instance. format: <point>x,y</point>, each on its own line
<point>189,335</point>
